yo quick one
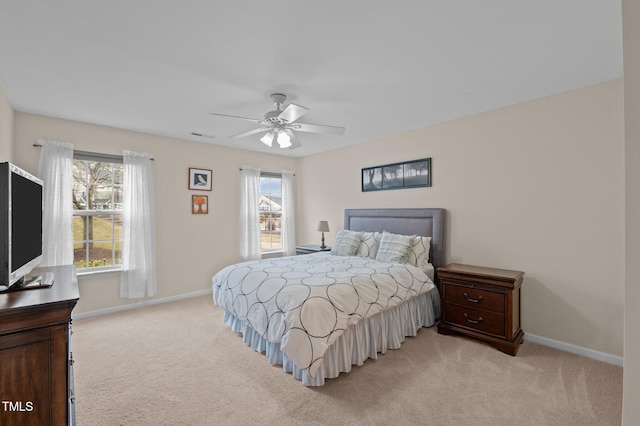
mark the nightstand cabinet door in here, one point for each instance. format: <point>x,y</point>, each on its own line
<point>483,303</point>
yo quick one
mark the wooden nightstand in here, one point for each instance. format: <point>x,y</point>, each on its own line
<point>313,248</point>
<point>483,303</point>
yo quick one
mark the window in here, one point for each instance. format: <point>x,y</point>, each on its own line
<point>97,212</point>
<point>270,206</point>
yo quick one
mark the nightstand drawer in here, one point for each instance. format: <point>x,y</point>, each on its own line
<point>475,298</point>
<point>487,322</point>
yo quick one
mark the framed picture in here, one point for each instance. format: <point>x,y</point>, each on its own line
<point>200,179</point>
<point>417,173</point>
<point>200,204</point>
<point>410,174</point>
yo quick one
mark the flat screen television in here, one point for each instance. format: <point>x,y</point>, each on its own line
<point>20,224</point>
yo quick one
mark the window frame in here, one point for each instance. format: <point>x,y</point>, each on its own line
<point>280,250</point>
<point>103,158</point>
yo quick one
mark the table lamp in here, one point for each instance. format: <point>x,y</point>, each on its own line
<point>323,226</point>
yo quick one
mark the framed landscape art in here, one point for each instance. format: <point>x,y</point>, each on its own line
<point>410,174</point>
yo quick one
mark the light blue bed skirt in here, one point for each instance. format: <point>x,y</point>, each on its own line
<point>360,341</point>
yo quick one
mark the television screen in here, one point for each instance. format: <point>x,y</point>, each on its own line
<point>20,224</point>
<point>26,223</point>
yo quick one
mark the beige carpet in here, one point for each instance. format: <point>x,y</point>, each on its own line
<point>178,364</point>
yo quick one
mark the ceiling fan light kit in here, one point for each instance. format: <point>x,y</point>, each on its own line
<point>284,140</point>
<point>280,124</point>
<point>267,139</point>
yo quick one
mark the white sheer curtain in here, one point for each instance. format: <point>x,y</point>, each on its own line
<point>288,222</point>
<point>138,274</point>
<point>56,171</point>
<point>249,214</point>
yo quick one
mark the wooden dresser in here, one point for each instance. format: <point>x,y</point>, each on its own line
<point>36,367</point>
<point>483,303</point>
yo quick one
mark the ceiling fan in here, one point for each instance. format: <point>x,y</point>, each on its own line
<point>280,125</point>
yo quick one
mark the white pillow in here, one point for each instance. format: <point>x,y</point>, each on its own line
<point>419,252</point>
<point>394,248</point>
<point>346,243</point>
<point>369,244</point>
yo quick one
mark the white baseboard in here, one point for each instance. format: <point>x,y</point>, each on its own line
<point>579,350</point>
<point>140,304</point>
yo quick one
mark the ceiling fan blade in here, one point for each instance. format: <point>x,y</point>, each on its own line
<point>319,128</point>
<point>292,112</point>
<point>295,142</point>
<point>255,120</point>
<point>250,132</point>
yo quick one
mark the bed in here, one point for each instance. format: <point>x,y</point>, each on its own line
<point>318,314</point>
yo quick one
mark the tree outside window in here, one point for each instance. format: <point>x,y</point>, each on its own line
<point>97,214</point>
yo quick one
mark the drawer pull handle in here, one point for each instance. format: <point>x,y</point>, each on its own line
<point>480,319</point>
<point>479,299</point>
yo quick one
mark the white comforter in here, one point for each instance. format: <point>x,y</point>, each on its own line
<point>306,302</point>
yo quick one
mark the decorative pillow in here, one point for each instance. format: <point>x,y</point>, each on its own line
<point>346,243</point>
<point>419,252</point>
<point>369,244</point>
<point>394,248</point>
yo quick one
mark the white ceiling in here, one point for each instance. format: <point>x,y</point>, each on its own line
<point>376,68</point>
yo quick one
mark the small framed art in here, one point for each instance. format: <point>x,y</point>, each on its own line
<point>200,204</point>
<point>200,179</point>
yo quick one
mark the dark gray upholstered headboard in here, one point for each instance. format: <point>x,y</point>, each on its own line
<point>425,222</point>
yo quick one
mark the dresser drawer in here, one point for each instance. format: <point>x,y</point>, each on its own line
<point>487,322</point>
<point>475,298</point>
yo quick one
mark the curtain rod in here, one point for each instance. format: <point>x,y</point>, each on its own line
<point>89,153</point>
<point>267,172</point>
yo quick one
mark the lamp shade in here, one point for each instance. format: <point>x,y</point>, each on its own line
<point>284,140</point>
<point>267,139</point>
<point>323,226</point>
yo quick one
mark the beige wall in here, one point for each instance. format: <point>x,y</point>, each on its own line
<point>6,128</point>
<point>190,248</point>
<point>631,43</point>
<point>537,187</point>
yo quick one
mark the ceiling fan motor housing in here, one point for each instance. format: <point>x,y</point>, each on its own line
<point>273,116</point>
